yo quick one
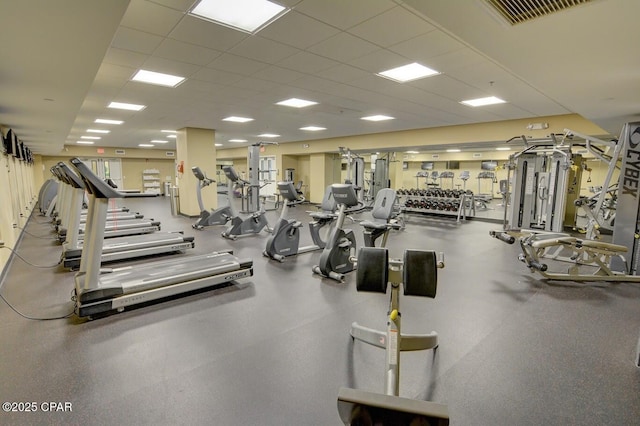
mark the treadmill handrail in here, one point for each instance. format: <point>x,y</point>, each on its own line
<point>72,178</point>
<point>93,183</point>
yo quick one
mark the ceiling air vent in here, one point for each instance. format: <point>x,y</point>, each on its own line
<point>518,11</point>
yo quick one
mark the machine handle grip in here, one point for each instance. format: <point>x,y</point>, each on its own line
<point>503,236</point>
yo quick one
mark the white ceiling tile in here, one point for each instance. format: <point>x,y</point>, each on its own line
<point>181,5</point>
<point>256,84</point>
<point>262,49</point>
<point>204,33</point>
<point>343,47</point>
<point>424,47</point>
<point>344,14</point>
<point>342,73</point>
<point>392,27</point>
<point>448,87</point>
<point>157,64</point>
<point>136,41</point>
<point>378,61</point>
<point>150,17</point>
<point>216,76</point>
<point>279,74</point>
<point>237,64</point>
<point>184,52</point>
<point>125,58</point>
<point>464,58</point>
<point>298,30</point>
<point>307,63</point>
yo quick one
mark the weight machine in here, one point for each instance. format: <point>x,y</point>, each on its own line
<point>544,186</point>
<point>355,171</point>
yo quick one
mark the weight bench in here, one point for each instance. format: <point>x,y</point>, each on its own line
<point>417,273</point>
<point>383,213</point>
<point>585,254</point>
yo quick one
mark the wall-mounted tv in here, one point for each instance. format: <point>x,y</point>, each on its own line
<point>426,165</point>
<point>490,165</point>
<point>453,165</point>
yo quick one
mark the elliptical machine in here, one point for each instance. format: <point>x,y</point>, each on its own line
<point>285,239</point>
<point>219,216</point>
<point>254,223</point>
<point>339,253</point>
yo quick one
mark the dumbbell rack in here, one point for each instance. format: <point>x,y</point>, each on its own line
<point>421,201</point>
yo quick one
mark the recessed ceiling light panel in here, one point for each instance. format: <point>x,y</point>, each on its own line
<point>146,145</point>
<point>453,150</point>
<point>105,121</point>
<point>128,107</point>
<point>85,142</point>
<point>377,118</point>
<point>157,78</point>
<point>169,131</point>
<point>159,141</point>
<point>409,72</point>
<point>491,100</point>
<point>503,148</point>
<point>249,16</point>
<point>268,135</point>
<point>238,119</point>
<point>97,131</point>
<point>296,103</point>
<point>237,140</point>
<point>313,128</point>
<point>90,137</point>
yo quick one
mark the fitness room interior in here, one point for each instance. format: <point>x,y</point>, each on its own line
<point>263,198</point>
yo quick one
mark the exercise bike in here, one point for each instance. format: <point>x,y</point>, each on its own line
<point>250,225</point>
<point>285,239</point>
<point>219,216</point>
<point>337,258</point>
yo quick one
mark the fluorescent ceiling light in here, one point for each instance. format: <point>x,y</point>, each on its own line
<point>217,144</point>
<point>296,103</point>
<point>169,131</point>
<point>172,136</point>
<point>146,145</point>
<point>491,100</point>
<point>245,15</point>
<point>90,137</point>
<point>157,78</point>
<point>97,131</point>
<point>159,141</point>
<point>105,121</point>
<point>237,140</point>
<point>85,142</point>
<point>237,119</point>
<point>129,107</point>
<point>453,150</point>
<point>268,135</point>
<point>313,128</point>
<point>377,118</point>
<point>412,152</point>
<point>409,72</point>
<point>503,148</point>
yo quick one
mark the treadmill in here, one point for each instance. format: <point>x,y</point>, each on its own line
<point>114,228</point>
<point>119,248</point>
<point>99,291</point>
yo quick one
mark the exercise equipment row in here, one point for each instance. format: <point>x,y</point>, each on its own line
<point>435,192</point>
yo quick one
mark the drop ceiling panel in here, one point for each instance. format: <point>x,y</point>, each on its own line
<point>448,87</point>
<point>183,69</point>
<point>378,61</point>
<point>179,5</point>
<point>307,63</point>
<point>150,17</point>
<point>298,30</point>
<point>464,58</point>
<point>136,41</point>
<point>279,74</point>
<point>237,64</point>
<point>185,52</point>
<point>343,47</point>
<point>342,73</point>
<point>125,58</point>
<point>207,34</point>
<point>424,47</point>
<point>392,27</point>
<point>216,76</point>
<point>344,14</point>
<point>264,50</point>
